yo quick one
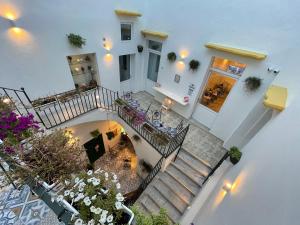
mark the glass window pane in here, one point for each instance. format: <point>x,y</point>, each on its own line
<point>153,66</point>
<point>155,45</point>
<point>125,32</point>
<point>124,65</point>
<point>216,91</point>
<point>229,66</point>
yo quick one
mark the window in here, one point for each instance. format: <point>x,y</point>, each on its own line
<point>125,31</point>
<point>153,66</point>
<point>154,45</point>
<point>124,64</point>
<point>222,76</point>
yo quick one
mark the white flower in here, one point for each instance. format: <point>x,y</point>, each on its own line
<point>110,224</point>
<point>77,180</point>
<point>106,174</point>
<point>109,218</point>
<point>119,197</point>
<point>98,211</point>
<point>89,180</point>
<point>94,197</point>
<point>92,208</point>
<point>87,201</point>
<point>96,182</point>
<point>78,222</point>
<point>67,182</point>
<point>90,172</point>
<point>59,198</point>
<point>73,216</point>
<point>118,185</point>
<point>72,194</point>
<point>67,193</point>
<point>91,222</point>
<point>102,219</point>
<point>115,177</point>
<point>79,196</point>
<point>118,205</point>
<point>104,212</point>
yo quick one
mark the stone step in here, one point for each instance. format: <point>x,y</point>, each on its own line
<point>194,160</point>
<point>183,178</point>
<point>148,203</point>
<point>195,175</point>
<point>162,202</point>
<point>177,187</point>
<point>171,196</point>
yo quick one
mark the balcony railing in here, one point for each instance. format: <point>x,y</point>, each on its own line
<point>57,109</point>
<point>163,143</point>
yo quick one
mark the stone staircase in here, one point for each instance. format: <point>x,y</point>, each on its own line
<point>176,187</point>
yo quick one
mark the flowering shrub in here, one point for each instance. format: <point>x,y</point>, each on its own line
<point>96,198</point>
<point>15,128</point>
<point>51,157</point>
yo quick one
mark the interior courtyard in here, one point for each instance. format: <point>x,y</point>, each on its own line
<point>149,112</point>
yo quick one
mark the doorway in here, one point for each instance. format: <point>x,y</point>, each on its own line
<point>126,72</point>
<point>221,77</point>
<point>154,50</point>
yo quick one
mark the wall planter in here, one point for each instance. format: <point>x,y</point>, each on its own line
<point>194,64</point>
<point>235,155</point>
<point>76,40</point>
<point>172,56</point>
<point>140,48</point>
<point>252,83</point>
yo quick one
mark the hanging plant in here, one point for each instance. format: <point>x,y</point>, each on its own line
<point>235,155</point>
<point>172,56</point>
<point>252,83</point>
<point>140,48</point>
<point>76,40</point>
<point>194,64</point>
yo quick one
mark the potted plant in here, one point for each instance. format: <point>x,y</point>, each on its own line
<point>252,83</point>
<point>194,64</point>
<point>153,219</point>
<point>172,56</point>
<point>140,48</point>
<point>136,138</point>
<point>235,154</point>
<point>76,40</point>
<point>94,197</point>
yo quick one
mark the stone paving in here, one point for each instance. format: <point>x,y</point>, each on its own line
<point>198,139</point>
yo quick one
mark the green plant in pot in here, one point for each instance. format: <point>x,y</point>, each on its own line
<point>252,83</point>
<point>194,64</point>
<point>172,56</point>
<point>235,154</point>
<point>76,40</point>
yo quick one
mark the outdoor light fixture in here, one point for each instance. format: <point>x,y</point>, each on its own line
<point>227,187</point>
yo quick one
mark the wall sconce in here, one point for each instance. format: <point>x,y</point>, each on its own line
<point>227,187</point>
<point>6,100</point>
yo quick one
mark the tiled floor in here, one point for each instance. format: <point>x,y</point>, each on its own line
<point>23,208</point>
<point>198,140</point>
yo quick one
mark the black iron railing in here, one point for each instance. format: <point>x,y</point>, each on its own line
<point>225,156</point>
<point>65,106</point>
<point>163,143</point>
<point>152,174</point>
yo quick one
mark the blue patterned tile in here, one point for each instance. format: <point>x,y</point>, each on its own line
<point>34,212</point>
<point>7,217</point>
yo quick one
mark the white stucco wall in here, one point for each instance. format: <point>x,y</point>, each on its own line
<point>39,63</point>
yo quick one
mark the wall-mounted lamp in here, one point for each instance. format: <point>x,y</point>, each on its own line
<point>227,187</point>
<point>6,100</point>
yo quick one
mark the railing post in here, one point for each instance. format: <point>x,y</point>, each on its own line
<point>29,100</point>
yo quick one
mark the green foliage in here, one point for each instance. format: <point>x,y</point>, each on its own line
<point>76,40</point>
<point>252,83</point>
<point>153,219</point>
<point>235,154</point>
<point>95,133</point>
<point>194,64</point>
<point>172,56</point>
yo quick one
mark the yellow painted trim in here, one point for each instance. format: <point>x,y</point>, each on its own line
<point>154,33</point>
<point>276,97</point>
<point>121,12</point>
<point>237,51</point>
